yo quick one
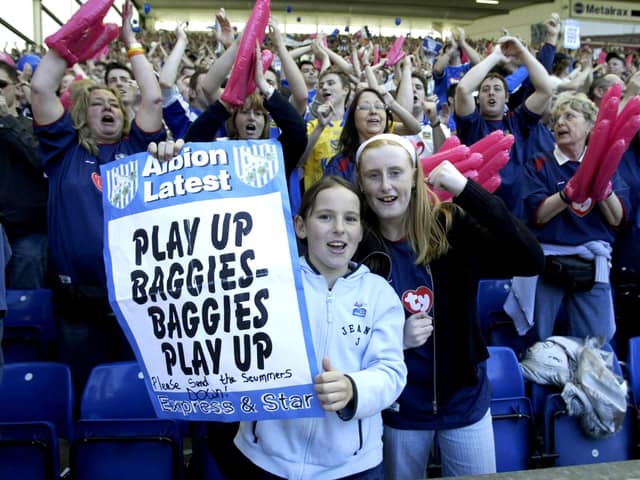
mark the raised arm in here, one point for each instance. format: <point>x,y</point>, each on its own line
<point>290,69</point>
<point>474,56</point>
<point>404,92</point>
<point>465,103</point>
<point>218,72</point>
<point>149,115</point>
<point>411,126</point>
<point>45,102</point>
<point>540,79</point>
<point>169,71</point>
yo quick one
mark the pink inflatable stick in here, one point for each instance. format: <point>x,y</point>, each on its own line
<point>70,40</point>
<point>579,186</point>
<point>449,143</point>
<point>493,165</point>
<point>241,82</point>
<point>267,59</point>
<point>454,155</point>
<point>395,53</point>
<point>614,91</point>
<point>601,185</point>
<point>492,183</point>
<point>484,143</point>
<point>505,143</point>
<point>376,55</point>
<point>631,109</point>
<point>102,37</point>
<point>472,162</point>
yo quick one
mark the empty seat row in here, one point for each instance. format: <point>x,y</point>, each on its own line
<point>117,437</point>
<point>517,421</point>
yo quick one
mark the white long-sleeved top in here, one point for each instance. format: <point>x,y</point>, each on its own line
<point>358,325</point>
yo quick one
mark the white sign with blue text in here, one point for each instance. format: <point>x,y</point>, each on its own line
<point>203,275</point>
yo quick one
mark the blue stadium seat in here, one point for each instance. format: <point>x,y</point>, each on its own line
<point>36,392</point>
<point>504,373</point>
<point>565,440</point>
<point>30,330</point>
<point>513,432</point>
<point>633,365</point>
<point>28,451</point>
<point>511,411</point>
<point>118,435</point>
<point>107,388</point>
<point>496,326</point>
<point>36,407</point>
<point>127,450</point>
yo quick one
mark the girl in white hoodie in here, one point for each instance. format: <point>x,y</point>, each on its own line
<point>356,321</point>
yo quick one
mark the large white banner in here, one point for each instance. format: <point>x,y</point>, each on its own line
<point>203,275</point>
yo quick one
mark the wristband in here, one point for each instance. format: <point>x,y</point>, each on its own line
<point>133,51</point>
<point>267,94</point>
<point>564,198</point>
<point>135,45</point>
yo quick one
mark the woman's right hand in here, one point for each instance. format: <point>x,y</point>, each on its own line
<point>417,330</point>
<point>165,151</point>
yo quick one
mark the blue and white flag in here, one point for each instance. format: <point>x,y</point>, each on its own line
<point>203,275</point>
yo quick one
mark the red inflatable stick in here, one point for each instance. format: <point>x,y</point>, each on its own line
<point>579,186</point>
<point>454,155</point>
<point>449,143</point>
<point>395,53</point>
<point>84,32</point>
<point>241,82</point>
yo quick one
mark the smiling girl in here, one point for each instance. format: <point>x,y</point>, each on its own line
<point>356,325</point>
<point>438,253</point>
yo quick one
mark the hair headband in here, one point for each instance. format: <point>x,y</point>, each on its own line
<point>393,138</point>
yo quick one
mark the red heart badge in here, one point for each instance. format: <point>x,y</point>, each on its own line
<point>582,209</point>
<point>97,180</point>
<point>420,300</point>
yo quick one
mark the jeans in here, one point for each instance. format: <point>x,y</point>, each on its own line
<point>375,473</point>
<point>590,313</point>
<point>27,268</point>
<point>464,451</point>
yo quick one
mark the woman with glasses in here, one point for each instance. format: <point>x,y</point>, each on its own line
<point>369,114</point>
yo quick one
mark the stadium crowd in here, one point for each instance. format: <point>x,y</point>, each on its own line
<point>559,212</point>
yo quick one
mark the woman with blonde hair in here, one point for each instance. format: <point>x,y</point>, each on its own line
<point>73,146</point>
<point>438,252</point>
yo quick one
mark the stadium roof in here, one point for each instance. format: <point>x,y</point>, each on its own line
<point>452,12</point>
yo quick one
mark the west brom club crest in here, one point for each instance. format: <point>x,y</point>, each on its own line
<point>122,184</point>
<point>256,165</point>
